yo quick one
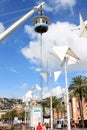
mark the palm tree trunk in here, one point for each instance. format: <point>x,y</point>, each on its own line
<point>81,110</point>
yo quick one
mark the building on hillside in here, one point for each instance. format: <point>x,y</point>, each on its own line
<point>2,112</point>
<point>18,107</point>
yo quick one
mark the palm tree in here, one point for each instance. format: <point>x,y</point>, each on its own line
<point>60,108</point>
<point>78,89</point>
<point>56,104</point>
<point>46,104</point>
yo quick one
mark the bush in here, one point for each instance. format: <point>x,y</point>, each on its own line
<point>12,127</point>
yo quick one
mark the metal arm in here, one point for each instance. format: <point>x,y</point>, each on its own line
<point>20,21</point>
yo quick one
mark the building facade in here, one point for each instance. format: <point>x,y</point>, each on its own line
<point>76,110</point>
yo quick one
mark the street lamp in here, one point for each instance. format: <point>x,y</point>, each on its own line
<point>67,57</point>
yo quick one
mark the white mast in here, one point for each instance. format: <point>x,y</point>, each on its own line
<point>20,21</point>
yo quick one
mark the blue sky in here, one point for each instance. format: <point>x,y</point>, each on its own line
<point>20,51</point>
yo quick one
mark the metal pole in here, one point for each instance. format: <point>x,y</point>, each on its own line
<point>20,21</point>
<point>25,114</point>
<point>51,109</point>
<point>41,61</point>
<point>67,95</point>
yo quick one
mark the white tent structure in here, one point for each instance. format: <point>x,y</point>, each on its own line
<point>82,27</point>
<point>67,57</point>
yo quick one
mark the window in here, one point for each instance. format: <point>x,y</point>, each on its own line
<point>36,21</point>
<point>46,22</point>
<point>43,21</point>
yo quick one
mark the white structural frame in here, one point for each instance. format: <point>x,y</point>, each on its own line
<point>67,93</point>
<point>66,56</point>
<point>51,107</point>
<point>20,21</point>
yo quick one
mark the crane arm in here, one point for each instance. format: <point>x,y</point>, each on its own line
<point>20,21</point>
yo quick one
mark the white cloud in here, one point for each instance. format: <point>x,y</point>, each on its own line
<point>59,33</point>
<point>38,69</point>
<point>24,86</point>
<point>2,28</point>
<point>47,8</point>
<point>33,54</point>
<point>57,91</point>
<point>13,70</point>
<point>30,31</point>
<point>58,4</point>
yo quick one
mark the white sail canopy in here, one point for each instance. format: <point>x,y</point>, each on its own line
<point>56,75</point>
<point>38,87</point>
<point>44,76</point>
<point>83,28</point>
<point>67,56</point>
<point>59,51</point>
<point>28,96</point>
<point>64,51</point>
<point>26,99</point>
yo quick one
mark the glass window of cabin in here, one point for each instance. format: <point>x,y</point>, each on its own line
<point>43,21</point>
<point>46,22</point>
<point>36,21</point>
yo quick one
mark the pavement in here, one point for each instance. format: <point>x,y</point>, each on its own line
<point>32,128</point>
<point>72,129</point>
<point>61,129</point>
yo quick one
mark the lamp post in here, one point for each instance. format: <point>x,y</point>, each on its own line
<point>51,108</point>
<point>67,56</point>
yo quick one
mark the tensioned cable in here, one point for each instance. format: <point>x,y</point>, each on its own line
<point>35,2</point>
<point>4,14</point>
<point>12,19</point>
<point>9,13</point>
<point>14,12</point>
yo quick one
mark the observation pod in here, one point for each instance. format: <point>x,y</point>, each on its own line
<point>41,24</point>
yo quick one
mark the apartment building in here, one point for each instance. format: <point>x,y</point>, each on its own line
<point>76,110</point>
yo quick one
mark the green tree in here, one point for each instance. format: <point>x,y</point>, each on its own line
<point>78,89</point>
<point>7,116</point>
<point>56,104</point>
<point>61,107</point>
<point>45,104</point>
<point>13,113</point>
